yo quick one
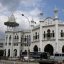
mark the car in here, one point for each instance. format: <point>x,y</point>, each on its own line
<point>44,55</point>
<point>58,57</point>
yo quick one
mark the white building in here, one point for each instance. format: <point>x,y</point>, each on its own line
<point>48,36</point>
<point>2,46</point>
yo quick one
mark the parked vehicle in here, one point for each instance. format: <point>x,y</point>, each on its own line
<point>58,57</point>
<point>44,55</point>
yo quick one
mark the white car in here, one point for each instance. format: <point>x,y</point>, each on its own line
<point>30,59</point>
<point>26,58</point>
<point>58,57</point>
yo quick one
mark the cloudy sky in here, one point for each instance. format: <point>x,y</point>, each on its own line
<point>30,8</point>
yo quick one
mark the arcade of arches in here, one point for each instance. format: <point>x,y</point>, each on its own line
<point>48,48</point>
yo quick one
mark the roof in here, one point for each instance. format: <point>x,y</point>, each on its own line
<point>11,22</point>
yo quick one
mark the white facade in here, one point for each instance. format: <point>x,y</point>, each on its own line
<point>48,36</point>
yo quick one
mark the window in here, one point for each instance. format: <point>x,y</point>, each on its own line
<point>15,52</point>
<point>61,33</point>
<point>8,52</point>
<point>5,43</point>
<point>25,39</point>
<point>17,37</point>
<point>29,39</point>
<point>48,33</point>
<point>10,37</point>
<point>21,44</point>
<point>36,35</point>
<point>44,34</point>
<point>9,43</point>
<point>53,35</point>
<point>6,38</point>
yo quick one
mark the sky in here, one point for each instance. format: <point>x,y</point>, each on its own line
<point>30,8</point>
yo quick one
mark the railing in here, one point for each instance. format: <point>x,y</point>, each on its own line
<point>15,62</point>
<point>9,62</point>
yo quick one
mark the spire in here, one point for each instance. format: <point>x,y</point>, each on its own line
<point>33,22</point>
<point>55,13</point>
<point>41,16</point>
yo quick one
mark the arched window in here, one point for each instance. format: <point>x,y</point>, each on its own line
<point>15,52</point>
<point>10,37</point>
<point>44,34</point>
<point>62,33</point>
<point>17,37</point>
<point>35,35</point>
<point>48,33</point>
<point>25,38</point>
<point>8,52</point>
<point>53,35</point>
<point>38,36</point>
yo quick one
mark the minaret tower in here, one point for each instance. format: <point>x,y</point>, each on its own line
<point>55,13</point>
<point>9,37</point>
<point>11,23</point>
<point>56,20</point>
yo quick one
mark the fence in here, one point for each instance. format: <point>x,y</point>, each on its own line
<point>10,62</point>
<point>16,62</point>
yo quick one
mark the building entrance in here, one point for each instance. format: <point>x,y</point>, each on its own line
<point>35,48</point>
<point>48,48</point>
<point>1,52</point>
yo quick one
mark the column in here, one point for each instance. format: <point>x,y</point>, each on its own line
<point>56,29</point>
<point>40,36</point>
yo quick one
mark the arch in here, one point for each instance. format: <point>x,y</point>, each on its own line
<point>63,49</point>
<point>49,48</point>
<point>48,18</point>
<point>35,48</point>
<point>48,33</point>
<point>15,52</point>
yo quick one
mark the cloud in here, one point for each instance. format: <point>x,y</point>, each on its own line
<point>2,20</point>
<point>10,4</point>
<point>13,5</point>
<point>23,21</point>
<point>31,8</point>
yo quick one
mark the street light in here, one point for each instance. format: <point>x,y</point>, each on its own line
<point>27,38</point>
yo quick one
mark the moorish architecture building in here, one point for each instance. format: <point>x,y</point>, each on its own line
<point>48,36</point>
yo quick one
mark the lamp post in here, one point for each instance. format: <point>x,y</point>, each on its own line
<point>28,37</point>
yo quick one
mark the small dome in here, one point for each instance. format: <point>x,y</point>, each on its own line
<point>11,22</point>
<point>12,18</point>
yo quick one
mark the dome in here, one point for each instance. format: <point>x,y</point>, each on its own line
<point>11,22</point>
<point>12,18</point>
